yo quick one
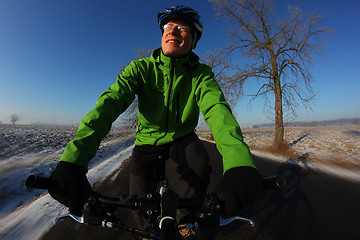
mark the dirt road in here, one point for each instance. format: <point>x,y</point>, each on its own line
<point>313,206</point>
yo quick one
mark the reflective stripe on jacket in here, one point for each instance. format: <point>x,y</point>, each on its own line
<point>170,92</point>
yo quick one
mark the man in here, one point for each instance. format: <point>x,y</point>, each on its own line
<point>172,86</point>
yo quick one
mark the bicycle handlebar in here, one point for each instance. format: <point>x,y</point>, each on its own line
<point>35,181</point>
<point>99,209</point>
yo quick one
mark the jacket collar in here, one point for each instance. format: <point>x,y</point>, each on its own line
<point>186,61</point>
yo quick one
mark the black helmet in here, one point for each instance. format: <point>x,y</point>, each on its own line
<point>184,13</point>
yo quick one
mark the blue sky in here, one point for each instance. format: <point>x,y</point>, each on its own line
<point>57,57</point>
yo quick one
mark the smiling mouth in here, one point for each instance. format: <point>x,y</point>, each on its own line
<point>172,41</point>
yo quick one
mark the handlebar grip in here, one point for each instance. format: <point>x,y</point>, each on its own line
<point>274,183</point>
<point>35,181</point>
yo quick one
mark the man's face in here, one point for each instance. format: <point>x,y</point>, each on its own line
<point>176,43</point>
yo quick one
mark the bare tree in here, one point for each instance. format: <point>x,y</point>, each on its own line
<point>221,65</point>
<point>14,118</point>
<point>130,115</point>
<point>279,51</point>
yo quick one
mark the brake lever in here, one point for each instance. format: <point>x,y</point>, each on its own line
<point>225,221</point>
<point>76,218</point>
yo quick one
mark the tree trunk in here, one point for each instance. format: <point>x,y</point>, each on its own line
<point>279,124</point>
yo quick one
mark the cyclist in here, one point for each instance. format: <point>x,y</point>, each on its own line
<point>172,87</point>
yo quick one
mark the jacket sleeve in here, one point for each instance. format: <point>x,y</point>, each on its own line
<point>224,127</point>
<point>97,123</point>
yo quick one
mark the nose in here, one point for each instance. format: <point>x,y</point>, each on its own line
<point>173,33</point>
<point>174,30</point>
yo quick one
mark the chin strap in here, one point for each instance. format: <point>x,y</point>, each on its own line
<point>194,40</point>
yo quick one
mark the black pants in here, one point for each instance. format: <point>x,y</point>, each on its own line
<point>186,165</point>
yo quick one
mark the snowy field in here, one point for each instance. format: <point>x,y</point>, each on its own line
<point>332,146</point>
<point>24,150</point>
<point>334,149</point>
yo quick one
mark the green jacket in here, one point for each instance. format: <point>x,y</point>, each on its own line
<point>170,94</point>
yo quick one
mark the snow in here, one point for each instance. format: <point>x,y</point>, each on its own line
<point>332,148</point>
<point>25,150</point>
<point>328,169</point>
<point>35,218</point>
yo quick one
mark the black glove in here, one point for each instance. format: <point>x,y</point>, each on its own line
<point>71,186</point>
<point>239,187</point>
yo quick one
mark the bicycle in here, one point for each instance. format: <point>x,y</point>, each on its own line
<point>159,209</point>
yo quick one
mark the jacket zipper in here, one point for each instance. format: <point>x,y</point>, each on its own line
<point>172,72</point>
<point>178,108</point>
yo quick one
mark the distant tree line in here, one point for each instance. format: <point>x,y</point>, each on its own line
<point>342,121</point>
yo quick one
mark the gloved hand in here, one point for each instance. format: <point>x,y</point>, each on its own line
<point>72,187</point>
<point>239,187</point>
